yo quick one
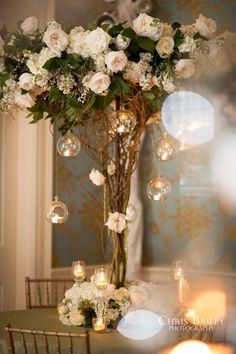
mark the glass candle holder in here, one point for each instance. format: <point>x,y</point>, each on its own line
<point>178,270</point>
<point>99,324</point>
<point>101,278</point>
<point>78,271</point>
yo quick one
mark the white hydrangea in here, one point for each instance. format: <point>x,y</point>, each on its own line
<point>147,81</point>
<point>24,101</point>
<point>168,84</point>
<point>78,42</point>
<point>65,83</point>
<point>9,92</point>
<point>37,60</point>
<point>122,42</point>
<point>99,62</point>
<point>134,72</point>
<point>189,45</point>
<point>189,30</point>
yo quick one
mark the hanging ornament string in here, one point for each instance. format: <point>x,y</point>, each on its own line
<point>57,212</point>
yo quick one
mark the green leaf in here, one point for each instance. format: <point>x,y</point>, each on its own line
<point>178,38</point>
<point>115,30</point>
<point>90,103</point>
<point>73,102</point>
<point>53,63</point>
<point>105,26</point>
<point>146,43</point>
<point>54,95</point>
<point>103,101</point>
<point>176,25</point>
<point>199,36</point>
<point>91,26</point>
<point>129,33</point>
<point>3,79</point>
<point>149,96</point>
<point>119,86</point>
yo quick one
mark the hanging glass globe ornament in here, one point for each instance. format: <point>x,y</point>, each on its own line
<point>68,145</point>
<point>165,149</point>
<point>124,121</point>
<point>158,188</point>
<point>131,213</point>
<point>57,212</point>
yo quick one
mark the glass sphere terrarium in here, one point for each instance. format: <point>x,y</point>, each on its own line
<point>68,145</point>
<point>124,121</point>
<point>158,188</point>
<point>57,212</point>
<point>165,149</point>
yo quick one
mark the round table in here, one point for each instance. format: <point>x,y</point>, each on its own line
<point>105,343</point>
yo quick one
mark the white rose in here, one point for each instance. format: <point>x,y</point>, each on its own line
<point>26,81</point>
<point>167,30</point>
<point>147,26</point>
<point>1,46</point>
<point>76,318</point>
<point>121,293</point>
<point>56,39</point>
<point>111,168</point>
<point>206,26</point>
<point>116,222</point>
<point>98,82</point>
<point>97,177</point>
<point>188,45</point>
<point>97,41</point>
<point>24,101</point>
<point>30,25</point>
<point>165,46</point>
<point>116,61</point>
<point>122,42</point>
<point>185,68</point>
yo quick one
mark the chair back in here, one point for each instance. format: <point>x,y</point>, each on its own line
<point>34,341</point>
<point>45,293</point>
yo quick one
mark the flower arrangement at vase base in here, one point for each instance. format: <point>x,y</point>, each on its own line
<point>82,303</point>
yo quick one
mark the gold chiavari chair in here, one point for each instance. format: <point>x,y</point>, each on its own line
<point>45,293</point>
<point>28,341</point>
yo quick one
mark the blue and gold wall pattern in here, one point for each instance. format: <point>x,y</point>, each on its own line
<point>189,225</point>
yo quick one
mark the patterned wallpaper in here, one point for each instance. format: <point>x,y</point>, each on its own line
<point>190,224</point>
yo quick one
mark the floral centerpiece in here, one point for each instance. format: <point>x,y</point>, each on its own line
<point>81,302</point>
<point>108,82</point>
